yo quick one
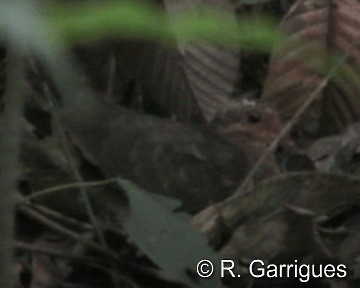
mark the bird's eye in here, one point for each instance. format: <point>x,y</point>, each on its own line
<point>254,118</point>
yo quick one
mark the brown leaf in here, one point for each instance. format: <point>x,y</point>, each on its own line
<point>342,244</point>
<point>257,239</point>
<point>338,153</point>
<point>160,73</point>
<point>280,219</point>
<point>323,194</point>
<point>346,159</point>
<point>279,235</point>
<point>211,70</point>
<point>49,271</point>
<point>319,28</point>
<point>190,81</point>
<point>322,152</point>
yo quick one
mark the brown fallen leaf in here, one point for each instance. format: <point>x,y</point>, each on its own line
<point>317,29</point>
<point>338,153</point>
<point>279,235</point>
<point>346,159</point>
<point>322,152</point>
<point>321,193</point>
<point>342,244</point>
<point>48,271</point>
<point>281,220</point>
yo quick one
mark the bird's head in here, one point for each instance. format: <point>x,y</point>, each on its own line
<point>252,124</point>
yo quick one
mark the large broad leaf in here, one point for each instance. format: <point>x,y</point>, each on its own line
<point>319,30</point>
<point>190,81</point>
<point>324,194</point>
<point>159,71</point>
<point>280,218</point>
<point>164,236</point>
<point>211,70</point>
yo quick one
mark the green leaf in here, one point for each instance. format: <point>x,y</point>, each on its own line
<point>81,23</point>
<point>165,237</point>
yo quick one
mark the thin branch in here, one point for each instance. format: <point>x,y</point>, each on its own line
<point>72,164</point>
<point>289,125</point>
<point>83,193</point>
<point>67,186</point>
<point>62,229</point>
<point>54,214</point>
<point>56,227</point>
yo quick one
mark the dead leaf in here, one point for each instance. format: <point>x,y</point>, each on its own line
<point>322,152</point>
<point>318,29</point>
<point>339,154</point>
<point>323,194</point>
<point>288,234</point>
<point>48,271</point>
<point>211,70</point>
<point>193,82</point>
<point>158,70</point>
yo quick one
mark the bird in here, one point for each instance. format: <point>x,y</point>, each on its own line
<point>192,163</point>
<point>253,126</point>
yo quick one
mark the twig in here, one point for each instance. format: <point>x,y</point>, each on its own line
<point>54,214</point>
<point>100,249</point>
<point>68,186</point>
<point>87,203</point>
<point>61,217</point>
<point>289,125</point>
<point>67,150</point>
<point>62,230</point>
